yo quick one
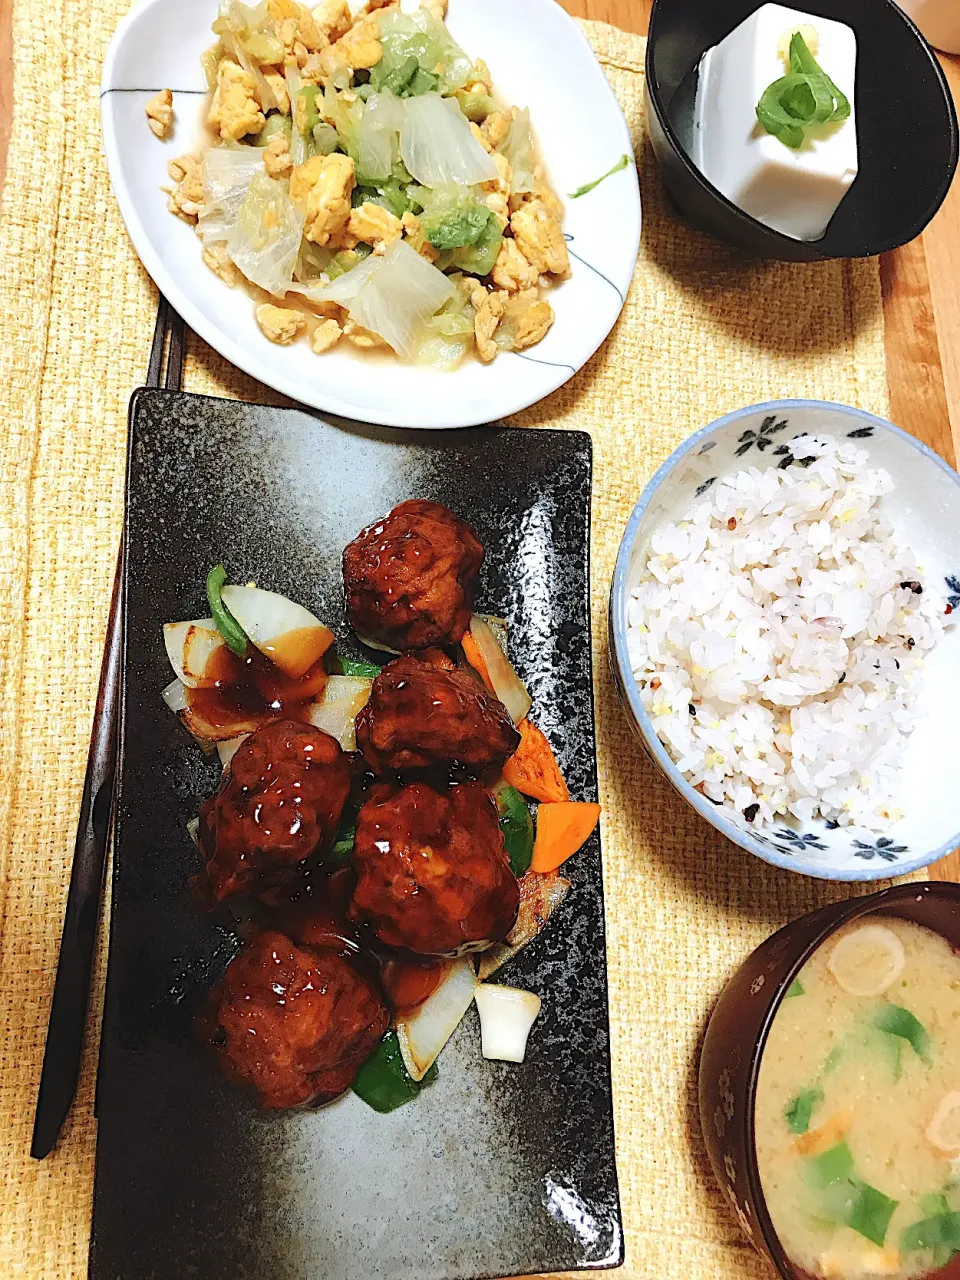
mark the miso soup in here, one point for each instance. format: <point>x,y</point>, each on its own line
<point>858,1106</point>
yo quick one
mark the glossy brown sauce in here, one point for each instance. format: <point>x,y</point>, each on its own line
<point>315,914</point>
<point>252,689</point>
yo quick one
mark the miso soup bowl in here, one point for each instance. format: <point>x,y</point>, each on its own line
<point>926,506</point>
<point>906,127</point>
<point>737,1035</point>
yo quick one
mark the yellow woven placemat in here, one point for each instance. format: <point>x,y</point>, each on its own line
<point>703,332</point>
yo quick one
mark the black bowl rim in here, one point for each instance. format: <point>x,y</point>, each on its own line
<point>656,101</point>
<point>852,909</point>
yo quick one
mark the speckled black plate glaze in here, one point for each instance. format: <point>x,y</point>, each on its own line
<point>495,1170</point>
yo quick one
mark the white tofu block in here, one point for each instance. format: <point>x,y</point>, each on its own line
<point>794,192</point>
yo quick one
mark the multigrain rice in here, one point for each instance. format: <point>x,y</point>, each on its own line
<point>778,635</point>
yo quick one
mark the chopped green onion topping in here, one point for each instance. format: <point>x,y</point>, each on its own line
<point>224,620</point>
<point>517,827</point>
<point>800,1109</point>
<point>383,1081</point>
<point>870,1213</point>
<point>805,97</point>
<point>796,988</point>
<point>897,1021</point>
<point>942,1229</point>
<point>587,187</point>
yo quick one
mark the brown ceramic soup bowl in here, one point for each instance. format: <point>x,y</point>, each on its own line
<point>737,1035</point>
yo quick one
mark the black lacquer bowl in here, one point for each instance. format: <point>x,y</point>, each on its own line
<point>495,1169</point>
<point>737,1036</point>
<point>906,128</point>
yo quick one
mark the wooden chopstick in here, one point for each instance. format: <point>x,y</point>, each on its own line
<point>71,992</point>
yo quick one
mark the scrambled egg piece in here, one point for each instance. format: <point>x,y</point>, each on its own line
<point>278,87</point>
<point>496,127</point>
<point>160,114</point>
<point>322,188</point>
<point>373,225</point>
<point>533,325</point>
<point>544,194</point>
<point>489,309</point>
<point>437,7</point>
<point>280,324</point>
<point>497,190</point>
<point>361,337</point>
<point>333,17</point>
<point>325,335</point>
<point>186,195</point>
<point>512,271</point>
<point>215,256</point>
<point>540,240</point>
<point>480,80</point>
<point>235,111</point>
<point>276,156</point>
<point>296,24</point>
<point>360,48</point>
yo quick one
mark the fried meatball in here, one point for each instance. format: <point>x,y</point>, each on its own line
<point>421,715</point>
<point>294,1023</point>
<point>279,803</point>
<point>432,873</point>
<point>409,577</point>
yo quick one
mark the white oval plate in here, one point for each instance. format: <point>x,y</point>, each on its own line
<point>538,58</point>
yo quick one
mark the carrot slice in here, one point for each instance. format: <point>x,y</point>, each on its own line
<point>561,830</point>
<point>471,651</point>
<point>533,767</point>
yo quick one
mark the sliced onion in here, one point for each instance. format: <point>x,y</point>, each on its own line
<point>943,1131</point>
<point>507,685</point>
<point>499,628</point>
<point>506,1016</point>
<point>336,712</point>
<point>228,749</point>
<point>424,1033</point>
<point>867,961</point>
<point>540,895</point>
<point>190,646</point>
<point>175,696</point>
<point>375,644</point>
<point>286,632</point>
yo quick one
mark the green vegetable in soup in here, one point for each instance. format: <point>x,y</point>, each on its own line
<point>942,1230</point>
<point>896,1021</point>
<point>224,620</point>
<point>833,1059</point>
<point>933,1206</point>
<point>517,827</point>
<point>800,1109</point>
<point>383,1081</point>
<point>832,1165</point>
<point>796,988</point>
<point>845,1197</point>
<point>870,1213</point>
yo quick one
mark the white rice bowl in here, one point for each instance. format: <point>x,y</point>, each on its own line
<point>791,687</point>
<point>776,645</point>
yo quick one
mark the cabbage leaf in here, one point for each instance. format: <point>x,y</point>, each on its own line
<point>437,146</point>
<point>419,54</point>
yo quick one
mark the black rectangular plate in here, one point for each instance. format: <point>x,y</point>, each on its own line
<point>495,1170</point>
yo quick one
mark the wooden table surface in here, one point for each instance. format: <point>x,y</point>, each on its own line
<point>921,285</point>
